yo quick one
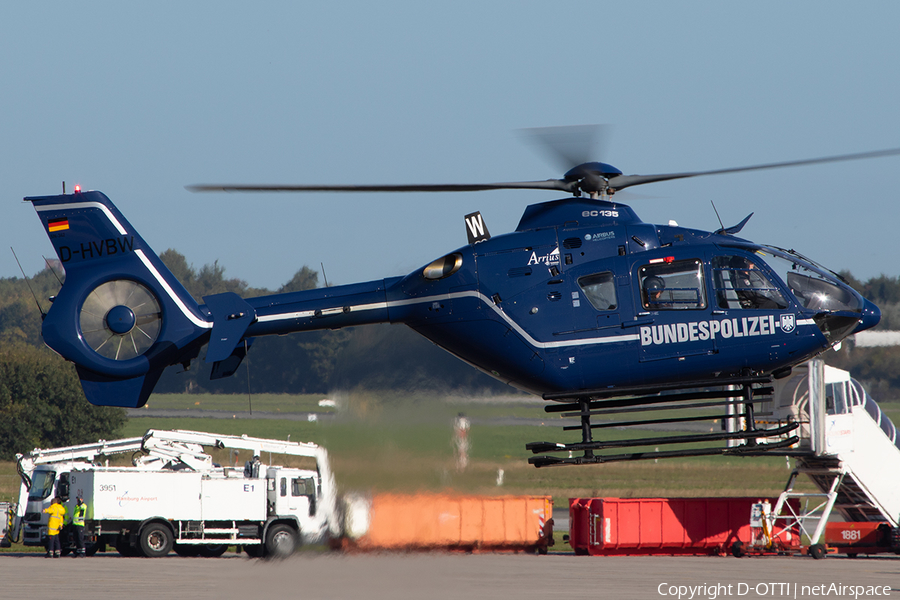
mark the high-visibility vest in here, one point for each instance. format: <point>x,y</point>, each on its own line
<point>56,512</point>
<point>78,515</point>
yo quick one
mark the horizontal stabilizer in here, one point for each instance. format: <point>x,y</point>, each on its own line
<point>231,318</point>
<point>226,368</point>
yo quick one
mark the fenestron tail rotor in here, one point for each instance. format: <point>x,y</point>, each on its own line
<point>120,319</point>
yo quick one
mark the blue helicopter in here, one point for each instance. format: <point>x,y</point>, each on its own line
<point>583,304</point>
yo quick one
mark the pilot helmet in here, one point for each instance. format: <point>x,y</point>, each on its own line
<point>654,284</point>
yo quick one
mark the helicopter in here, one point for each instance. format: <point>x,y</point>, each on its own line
<point>583,304</point>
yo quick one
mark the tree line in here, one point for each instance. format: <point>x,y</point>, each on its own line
<point>878,369</point>
<point>34,381</point>
<point>42,404</point>
<point>379,356</point>
<point>375,356</point>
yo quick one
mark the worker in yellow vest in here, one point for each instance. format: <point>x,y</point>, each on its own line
<point>78,525</point>
<point>57,513</point>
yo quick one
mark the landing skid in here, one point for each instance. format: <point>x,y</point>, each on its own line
<point>737,396</point>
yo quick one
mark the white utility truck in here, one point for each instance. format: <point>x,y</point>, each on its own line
<point>174,497</point>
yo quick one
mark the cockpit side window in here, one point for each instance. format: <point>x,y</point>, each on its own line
<point>813,288</point>
<point>740,284</point>
<point>676,285</point>
<point>42,485</point>
<point>600,290</point>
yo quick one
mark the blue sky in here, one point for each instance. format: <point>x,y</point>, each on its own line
<point>140,99</point>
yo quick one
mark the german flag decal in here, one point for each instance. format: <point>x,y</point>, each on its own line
<point>57,225</point>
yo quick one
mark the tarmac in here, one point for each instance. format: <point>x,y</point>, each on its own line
<point>400,576</point>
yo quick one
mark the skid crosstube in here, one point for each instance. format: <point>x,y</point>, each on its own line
<point>737,394</point>
<point>554,461</point>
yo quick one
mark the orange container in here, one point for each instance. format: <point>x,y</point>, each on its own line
<point>859,538</point>
<point>445,522</point>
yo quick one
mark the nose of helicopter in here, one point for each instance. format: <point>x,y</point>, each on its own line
<point>870,317</point>
<point>837,325</point>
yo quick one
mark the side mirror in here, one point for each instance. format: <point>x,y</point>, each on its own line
<point>62,488</point>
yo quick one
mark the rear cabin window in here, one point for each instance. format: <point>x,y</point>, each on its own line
<point>600,290</point>
<point>740,284</point>
<point>676,285</point>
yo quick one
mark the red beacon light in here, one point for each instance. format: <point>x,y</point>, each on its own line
<point>77,189</point>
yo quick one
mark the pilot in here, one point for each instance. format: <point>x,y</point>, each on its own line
<point>653,289</point>
<point>753,290</point>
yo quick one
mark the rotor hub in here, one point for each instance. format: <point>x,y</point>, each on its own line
<point>592,177</point>
<point>120,319</point>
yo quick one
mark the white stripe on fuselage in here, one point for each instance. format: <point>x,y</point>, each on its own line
<point>162,282</point>
<point>469,294</point>
<point>609,339</point>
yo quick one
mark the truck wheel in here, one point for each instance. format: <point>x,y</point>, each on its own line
<point>92,549</point>
<point>817,551</point>
<point>156,540</point>
<point>281,541</point>
<point>737,549</point>
<point>254,551</point>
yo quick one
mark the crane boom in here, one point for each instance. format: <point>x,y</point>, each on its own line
<point>89,452</point>
<point>155,438</point>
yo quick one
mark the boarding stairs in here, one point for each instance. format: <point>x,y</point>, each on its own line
<point>848,449</point>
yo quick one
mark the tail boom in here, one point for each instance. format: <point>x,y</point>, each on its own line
<point>122,317</point>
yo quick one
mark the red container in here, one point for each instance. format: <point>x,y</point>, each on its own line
<point>646,526</point>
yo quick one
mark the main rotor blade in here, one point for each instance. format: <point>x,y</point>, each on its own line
<point>620,182</point>
<point>549,184</point>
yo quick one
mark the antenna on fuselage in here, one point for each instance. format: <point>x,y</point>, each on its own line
<point>28,283</point>
<point>721,224</point>
<point>247,358</point>
<point>52,270</point>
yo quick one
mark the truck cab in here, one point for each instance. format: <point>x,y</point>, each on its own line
<point>294,494</point>
<point>47,482</point>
